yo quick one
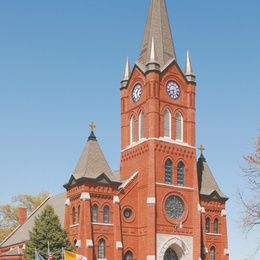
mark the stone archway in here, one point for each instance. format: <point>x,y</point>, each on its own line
<point>178,246</point>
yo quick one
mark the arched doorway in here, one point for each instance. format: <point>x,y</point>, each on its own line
<point>170,255</point>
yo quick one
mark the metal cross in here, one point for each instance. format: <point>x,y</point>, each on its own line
<point>92,126</point>
<point>201,148</point>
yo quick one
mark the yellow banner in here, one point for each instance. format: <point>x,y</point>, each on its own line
<point>69,255</point>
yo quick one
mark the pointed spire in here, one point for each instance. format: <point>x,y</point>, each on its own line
<point>157,28</point>
<point>152,63</point>
<point>127,74</point>
<point>189,74</point>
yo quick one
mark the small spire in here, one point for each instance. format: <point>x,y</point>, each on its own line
<point>189,74</point>
<point>152,63</point>
<point>127,73</point>
<point>92,136</point>
<point>152,55</point>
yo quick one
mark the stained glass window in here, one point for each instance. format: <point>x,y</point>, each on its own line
<point>170,255</point>
<point>180,174</point>
<point>132,129</point>
<point>101,248</point>
<point>216,226</point>
<point>207,225</point>
<point>212,253</point>
<point>73,216</point>
<point>95,213</point>
<point>141,125</point>
<point>106,214</point>
<point>167,123</point>
<point>179,127</point>
<point>174,207</point>
<point>128,255</point>
<point>78,213</point>
<point>168,171</point>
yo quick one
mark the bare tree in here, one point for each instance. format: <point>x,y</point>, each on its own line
<point>251,200</point>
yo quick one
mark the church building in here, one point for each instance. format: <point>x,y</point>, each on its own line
<point>163,203</point>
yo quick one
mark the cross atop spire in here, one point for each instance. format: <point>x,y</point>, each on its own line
<point>202,149</point>
<point>157,28</point>
<point>92,136</point>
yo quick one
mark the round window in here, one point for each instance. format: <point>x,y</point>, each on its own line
<point>174,207</point>
<point>128,213</point>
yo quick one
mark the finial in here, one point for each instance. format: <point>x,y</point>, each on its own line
<point>152,64</point>
<point>92,126</point>
<point>201,149</point>
<point>127,74</point>
<point>92,136</point>
<point>189,74</point>
<point>152,54</point>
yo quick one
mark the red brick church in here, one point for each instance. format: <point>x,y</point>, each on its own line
<point>163,203</point>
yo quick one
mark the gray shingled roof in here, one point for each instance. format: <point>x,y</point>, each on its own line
<point>207,182</point>
<point>157,28</point>
<point>21,233</point>
<point>92,162</point>
<point>13,252</point>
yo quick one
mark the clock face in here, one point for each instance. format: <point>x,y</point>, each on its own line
<point>174,207</point>
<point>137,92</point>
<point>173,89</point>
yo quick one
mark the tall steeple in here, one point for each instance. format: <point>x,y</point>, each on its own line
<point>157,28</point>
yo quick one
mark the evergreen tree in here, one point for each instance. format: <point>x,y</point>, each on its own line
<point>47,228</point>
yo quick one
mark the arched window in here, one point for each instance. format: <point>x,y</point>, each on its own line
<point>207,225</point>
<point>168,171</point>
<point>179,127</point>
<point>216,226</point>
<point>132,129</point>
<point>141,125</point>
<point>106,214</point>
<point>180,174</point>
<point>212,253</point>
<point>101,248</point>
<point>78,213</point>
<point>95,213</point>
<point>73,216</point>
<point>128,255</point>
<point>167,123</point>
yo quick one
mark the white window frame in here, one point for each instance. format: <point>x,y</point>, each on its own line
<point>132,134</point>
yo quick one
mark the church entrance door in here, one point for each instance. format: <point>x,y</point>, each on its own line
<point>170,255</point>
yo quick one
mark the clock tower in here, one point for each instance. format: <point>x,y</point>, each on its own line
<point>161,207</point>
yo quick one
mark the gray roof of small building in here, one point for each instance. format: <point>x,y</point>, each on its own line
<point>21,233</point>
<point>157,28</point>
<point>16,251</point>
<point>92,162</point>
<point>207,182</point>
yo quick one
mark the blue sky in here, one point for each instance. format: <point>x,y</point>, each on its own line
<point>61,63</point>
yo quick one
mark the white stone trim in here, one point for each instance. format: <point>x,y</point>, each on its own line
<point>183,245</point>
<point>151,200</point>
<point>213,234</point>
<point>85,196</point>
<point>74,225</point>
<point>89,243</point>
<point>78,243</point>
<point>226,251</point>
<point>116,200</point>
<point>223,212</point>
<point>102,224</point>
<point>67,202</point>
<point>150,257</point>
<point>119,245</point>
<point>167,140</point>
<point>125,183</point>
<point>174,186</point>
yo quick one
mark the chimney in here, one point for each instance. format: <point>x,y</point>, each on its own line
<point>22,214</point>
